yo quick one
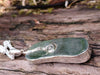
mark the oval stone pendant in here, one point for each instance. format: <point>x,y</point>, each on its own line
<point>64,50</point>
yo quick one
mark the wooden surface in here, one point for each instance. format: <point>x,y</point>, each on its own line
<point>61,23</point>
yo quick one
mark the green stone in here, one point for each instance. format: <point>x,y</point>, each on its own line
<point>58,47</point>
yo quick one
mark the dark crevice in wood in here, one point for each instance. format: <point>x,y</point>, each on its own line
<point>69,23</point>
<point>95,44</point>
<point>33,72</point>
<point>63,23</point>
<point>61,4</point>
<point>97,21</point>
<point>96,48</point>
<point>23,71</point>
<point>89,65</point>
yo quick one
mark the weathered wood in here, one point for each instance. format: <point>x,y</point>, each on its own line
<point>61,23</point>
<point>26,67</point>
<point>65,29</point>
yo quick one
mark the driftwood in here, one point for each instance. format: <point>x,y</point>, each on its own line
<point>59,24</point>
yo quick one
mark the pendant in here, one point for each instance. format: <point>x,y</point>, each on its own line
<point>63,50</point>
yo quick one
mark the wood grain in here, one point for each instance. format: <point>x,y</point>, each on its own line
<point>61,23</point>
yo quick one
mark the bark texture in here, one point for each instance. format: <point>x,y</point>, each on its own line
<point>61,23</point>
